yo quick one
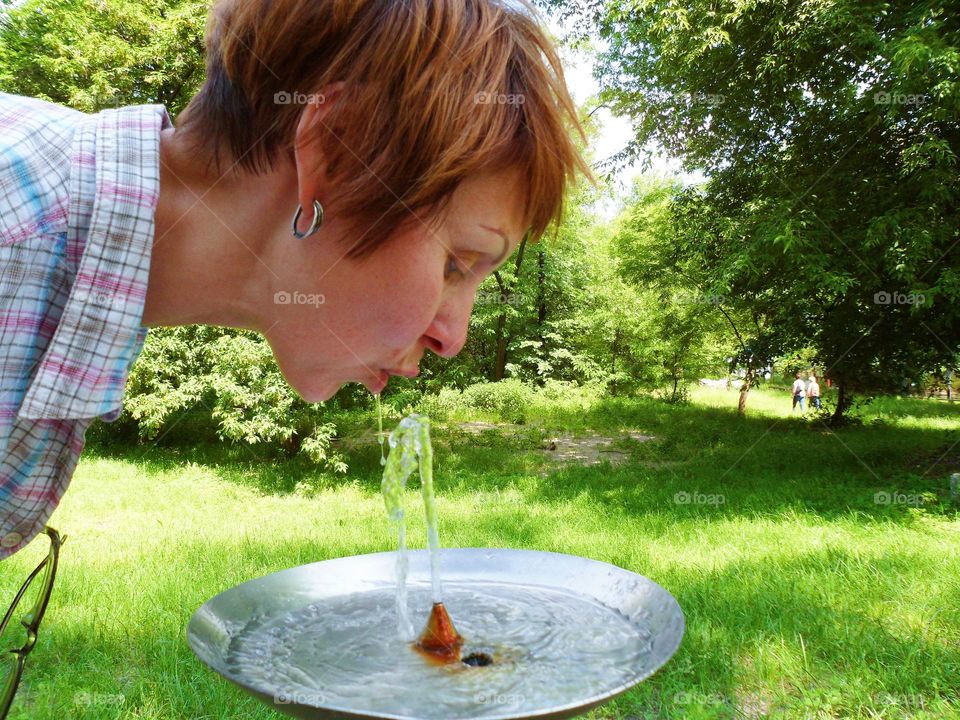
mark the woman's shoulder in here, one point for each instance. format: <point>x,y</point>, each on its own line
<point>36,137</point>
<point>27,123</point>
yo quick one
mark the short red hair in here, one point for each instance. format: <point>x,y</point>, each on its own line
<point>435,91</point>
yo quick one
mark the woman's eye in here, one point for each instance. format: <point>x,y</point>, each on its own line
<point>452,266</point>
<point>462,263</point>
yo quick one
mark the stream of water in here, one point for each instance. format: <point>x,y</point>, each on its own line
<point>410,449</point>
<point>383,459</point>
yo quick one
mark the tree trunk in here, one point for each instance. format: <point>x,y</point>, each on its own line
<point>744,391</point>
<point>843,402</point>
<point>500,362</point>
<point>292,444</point>
<point>949,385</point>
<point>614,351</point>
<point>541,309</point>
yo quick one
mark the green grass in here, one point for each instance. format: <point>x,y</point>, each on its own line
<point>803,596</point>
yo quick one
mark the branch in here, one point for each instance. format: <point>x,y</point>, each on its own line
<point>503,288</point>
<point>601,105</point>
<point>733,326</point>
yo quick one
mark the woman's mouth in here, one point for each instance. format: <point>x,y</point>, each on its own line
<point>376,384</point>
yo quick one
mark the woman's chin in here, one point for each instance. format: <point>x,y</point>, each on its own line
<point>317,392</point>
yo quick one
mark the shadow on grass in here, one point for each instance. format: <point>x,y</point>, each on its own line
<point>750,612</point>
<point>750,466</point>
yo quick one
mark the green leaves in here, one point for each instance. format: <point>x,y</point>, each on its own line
<point>105,54</point>
<point>230,374</point>
<point>831,145</point>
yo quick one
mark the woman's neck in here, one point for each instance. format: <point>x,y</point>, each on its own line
<point>210,261</point>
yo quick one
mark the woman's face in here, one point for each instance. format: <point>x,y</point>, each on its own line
<point>337,320</point>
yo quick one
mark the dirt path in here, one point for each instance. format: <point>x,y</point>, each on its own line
<point>559,449</point>
<point>590,449</point>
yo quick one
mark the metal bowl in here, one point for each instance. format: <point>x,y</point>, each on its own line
<point>214,627</point>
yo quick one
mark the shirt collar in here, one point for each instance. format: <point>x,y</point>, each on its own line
<point>84,369</point>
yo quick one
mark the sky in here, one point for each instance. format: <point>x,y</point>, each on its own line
<point>615,132</point>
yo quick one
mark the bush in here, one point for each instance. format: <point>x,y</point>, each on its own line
<point>442,405</point>
<point>401,400</point>
<point>233,375</point>
<point>509,399</point>
<point>565,395</point>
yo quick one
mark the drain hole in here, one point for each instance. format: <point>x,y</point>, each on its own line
<point>478,659</point>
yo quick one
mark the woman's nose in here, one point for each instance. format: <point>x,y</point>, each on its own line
<point>447,334</point>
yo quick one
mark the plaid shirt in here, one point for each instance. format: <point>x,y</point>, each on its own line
<point>77,199</point>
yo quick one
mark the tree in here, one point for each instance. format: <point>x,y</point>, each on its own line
<point>830,135</point>
<point>688,318</point>
<point>106,54</point>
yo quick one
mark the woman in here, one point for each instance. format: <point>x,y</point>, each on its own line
<point>813,391</point>
<point>347,175</point>
<point>798,393</point>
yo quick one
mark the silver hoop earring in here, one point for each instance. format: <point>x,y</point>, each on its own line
<point>314,226</point>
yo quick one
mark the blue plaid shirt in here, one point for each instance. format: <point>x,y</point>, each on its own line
<point>78,194</point>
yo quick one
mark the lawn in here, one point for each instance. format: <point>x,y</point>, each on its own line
<point>819,571</point>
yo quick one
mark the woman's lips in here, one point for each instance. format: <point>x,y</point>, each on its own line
<point>379,382</point>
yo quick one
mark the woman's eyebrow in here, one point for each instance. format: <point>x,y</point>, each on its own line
<point>506,243</point>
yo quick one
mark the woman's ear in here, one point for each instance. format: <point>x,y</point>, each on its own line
<point>311,165</point>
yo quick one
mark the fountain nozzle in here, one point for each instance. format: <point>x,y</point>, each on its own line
<point>440,638</point>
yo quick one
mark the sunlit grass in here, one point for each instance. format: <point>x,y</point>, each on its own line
<point>804,596</point>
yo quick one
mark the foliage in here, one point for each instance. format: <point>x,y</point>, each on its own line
<point>509,399</point>
<point>689,328</point>
<point>232,375</point>
<point>829,132</point>
<point>94,55</point>
<point>803,359</point>
<point>442,404</point>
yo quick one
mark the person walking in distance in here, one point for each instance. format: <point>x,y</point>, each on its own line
<point>798,393</point>
<point>813,391</point>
